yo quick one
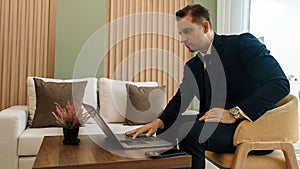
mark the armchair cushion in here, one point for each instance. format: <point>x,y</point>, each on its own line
<point>263,128</point>
<point>276,130</point>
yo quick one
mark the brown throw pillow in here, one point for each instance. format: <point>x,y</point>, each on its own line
<point>144,104</point>
<point>49,92</point>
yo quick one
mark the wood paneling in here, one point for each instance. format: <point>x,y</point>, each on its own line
<point>143,42</point>
<point>27,37</point>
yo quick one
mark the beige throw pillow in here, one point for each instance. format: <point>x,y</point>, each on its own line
<point>144,104</point>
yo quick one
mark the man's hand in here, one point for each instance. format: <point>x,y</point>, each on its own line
<point>218,115</point>
<point>149,129</point>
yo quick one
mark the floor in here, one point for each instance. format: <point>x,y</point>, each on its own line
<point>209,165</point>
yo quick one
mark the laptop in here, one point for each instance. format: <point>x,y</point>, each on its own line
<point>126,141</point>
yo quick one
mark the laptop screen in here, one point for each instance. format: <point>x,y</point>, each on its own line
<point>100,121</point>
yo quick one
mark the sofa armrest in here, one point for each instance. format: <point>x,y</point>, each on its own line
<point>13,122</point>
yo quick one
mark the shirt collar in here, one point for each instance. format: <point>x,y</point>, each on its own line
<point>207,53</point>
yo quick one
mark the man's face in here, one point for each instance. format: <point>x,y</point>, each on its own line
<point>193,35</point>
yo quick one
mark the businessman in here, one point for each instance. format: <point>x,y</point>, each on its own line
<point>234,77</point>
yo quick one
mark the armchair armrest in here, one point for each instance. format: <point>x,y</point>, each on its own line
<point>279,124</point>
<point>244,148</point>
<point>13,122</point>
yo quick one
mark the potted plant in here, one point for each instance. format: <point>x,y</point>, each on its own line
<point>70,120</point>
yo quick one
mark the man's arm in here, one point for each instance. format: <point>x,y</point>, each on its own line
<point>263,68</point>
<point>149,129</point>
<point>183,97</point>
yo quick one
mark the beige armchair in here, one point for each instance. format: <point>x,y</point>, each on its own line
<point>276,130</point>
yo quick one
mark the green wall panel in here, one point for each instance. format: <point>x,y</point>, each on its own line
<point>76,21</point>
<point>212,6</point>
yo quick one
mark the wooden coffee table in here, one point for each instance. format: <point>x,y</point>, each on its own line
<point>89,155</point>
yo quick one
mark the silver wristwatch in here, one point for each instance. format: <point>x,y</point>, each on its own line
<point>235,112</point>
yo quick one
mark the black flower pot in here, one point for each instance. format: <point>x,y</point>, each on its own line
<point>70,136</point>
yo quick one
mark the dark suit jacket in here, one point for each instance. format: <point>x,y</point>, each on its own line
<point>243,74</point>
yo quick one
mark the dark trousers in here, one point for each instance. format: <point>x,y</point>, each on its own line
<point>200,136</point>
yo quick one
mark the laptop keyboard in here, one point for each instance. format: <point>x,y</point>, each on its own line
<point>138,141</point>
<point>150,139</point>
<point>133,142</point>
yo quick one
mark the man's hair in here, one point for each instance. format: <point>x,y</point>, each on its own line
<point>197,11</point>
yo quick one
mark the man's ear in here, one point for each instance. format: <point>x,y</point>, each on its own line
<point>206,26</point>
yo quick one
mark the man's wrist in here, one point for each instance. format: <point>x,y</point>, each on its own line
<point>160,123</point>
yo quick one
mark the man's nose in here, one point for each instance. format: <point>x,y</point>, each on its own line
<point>183,39</point>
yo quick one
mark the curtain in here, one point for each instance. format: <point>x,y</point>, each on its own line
<point>142,42</point>
<point>233,16</point>
<point>27,35</point>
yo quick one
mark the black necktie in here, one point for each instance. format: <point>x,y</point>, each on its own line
<point>207,84</point>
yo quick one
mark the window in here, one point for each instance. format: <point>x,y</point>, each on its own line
<point>276,22</point>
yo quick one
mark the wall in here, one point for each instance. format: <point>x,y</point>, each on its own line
<point>76,21</point>
<point>212,6</point>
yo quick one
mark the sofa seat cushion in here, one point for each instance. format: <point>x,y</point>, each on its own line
<point>31,139</point>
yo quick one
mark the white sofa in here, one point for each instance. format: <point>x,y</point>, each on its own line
<point>19,144</point>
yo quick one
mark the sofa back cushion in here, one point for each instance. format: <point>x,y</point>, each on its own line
<point>113,98</point>
<point>89,97</point>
